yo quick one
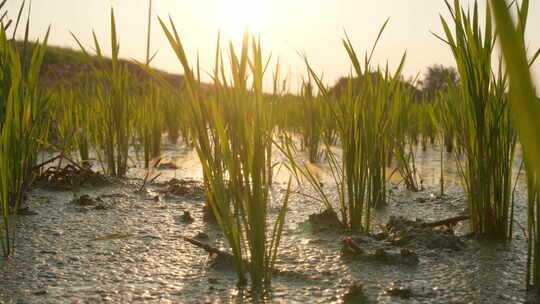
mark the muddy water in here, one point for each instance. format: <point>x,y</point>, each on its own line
<point>59,260</point>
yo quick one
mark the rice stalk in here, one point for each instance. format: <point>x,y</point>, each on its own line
<point>405,114</point>
<point>525,109</point>
<point>311,123</point>
<point>363,117</point>
<point>232,132</point>
<point>481,116</point>
<point>113,112</point>
<point>23,126</point>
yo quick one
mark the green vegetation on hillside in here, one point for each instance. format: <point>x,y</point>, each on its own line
<point>70,67</point>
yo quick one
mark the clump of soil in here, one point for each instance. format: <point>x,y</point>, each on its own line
<point>355,294</point>
<point>326,219</point>
<point>187,217</point>
<point>87,201</point>
<point>26,211</point>
<point>400,231</point>
<point>404,293</point>
<point>70,176</point>
<point>218,259</point>
<point>183,187</point>
<point>202,237</point>
<point>224,262</point>
<point>351,250</point>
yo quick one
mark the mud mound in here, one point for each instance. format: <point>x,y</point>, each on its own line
<point>86,202</point>
<point>183,187</point>
<point>400,231</point>
<point>69,177</point>
<point>351,250</point>
<point>326,219</point>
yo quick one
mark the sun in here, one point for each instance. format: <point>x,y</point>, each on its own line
<point>238,15</point>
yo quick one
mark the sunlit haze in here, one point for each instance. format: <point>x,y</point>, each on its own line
<point>237,15</point>
<point>286,28</point>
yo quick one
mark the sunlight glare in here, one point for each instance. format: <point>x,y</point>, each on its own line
<point>236,15</point>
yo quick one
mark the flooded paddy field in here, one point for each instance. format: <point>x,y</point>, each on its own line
<point>122,245</point>
<point>329,179</point>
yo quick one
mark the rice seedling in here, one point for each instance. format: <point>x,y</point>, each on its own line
<point>533,231</point>
<point>232,133</point>
<point>436,113</point>
<point>481,117</point>
<point>83,129</point>
<point>149,120</point>
<point>366,130</point>
<point>113,112</point>
<point>311,123</point>
<point>173,118</point>
<point>437,79</point>
<point>444,128</point>
<point>150,112</point>
<point>23,125</point>
<point>405,114</point>
<point>329,126</point>
<point>363,117</point>
<point>525,109</point>
<point>62,115</point>
<point>69,114</point>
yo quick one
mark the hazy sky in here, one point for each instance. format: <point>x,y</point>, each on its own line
<point>313,27</point>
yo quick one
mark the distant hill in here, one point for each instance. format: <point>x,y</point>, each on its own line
<point>65,66</point>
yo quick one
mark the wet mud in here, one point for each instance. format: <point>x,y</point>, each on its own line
<point>132,249</point>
